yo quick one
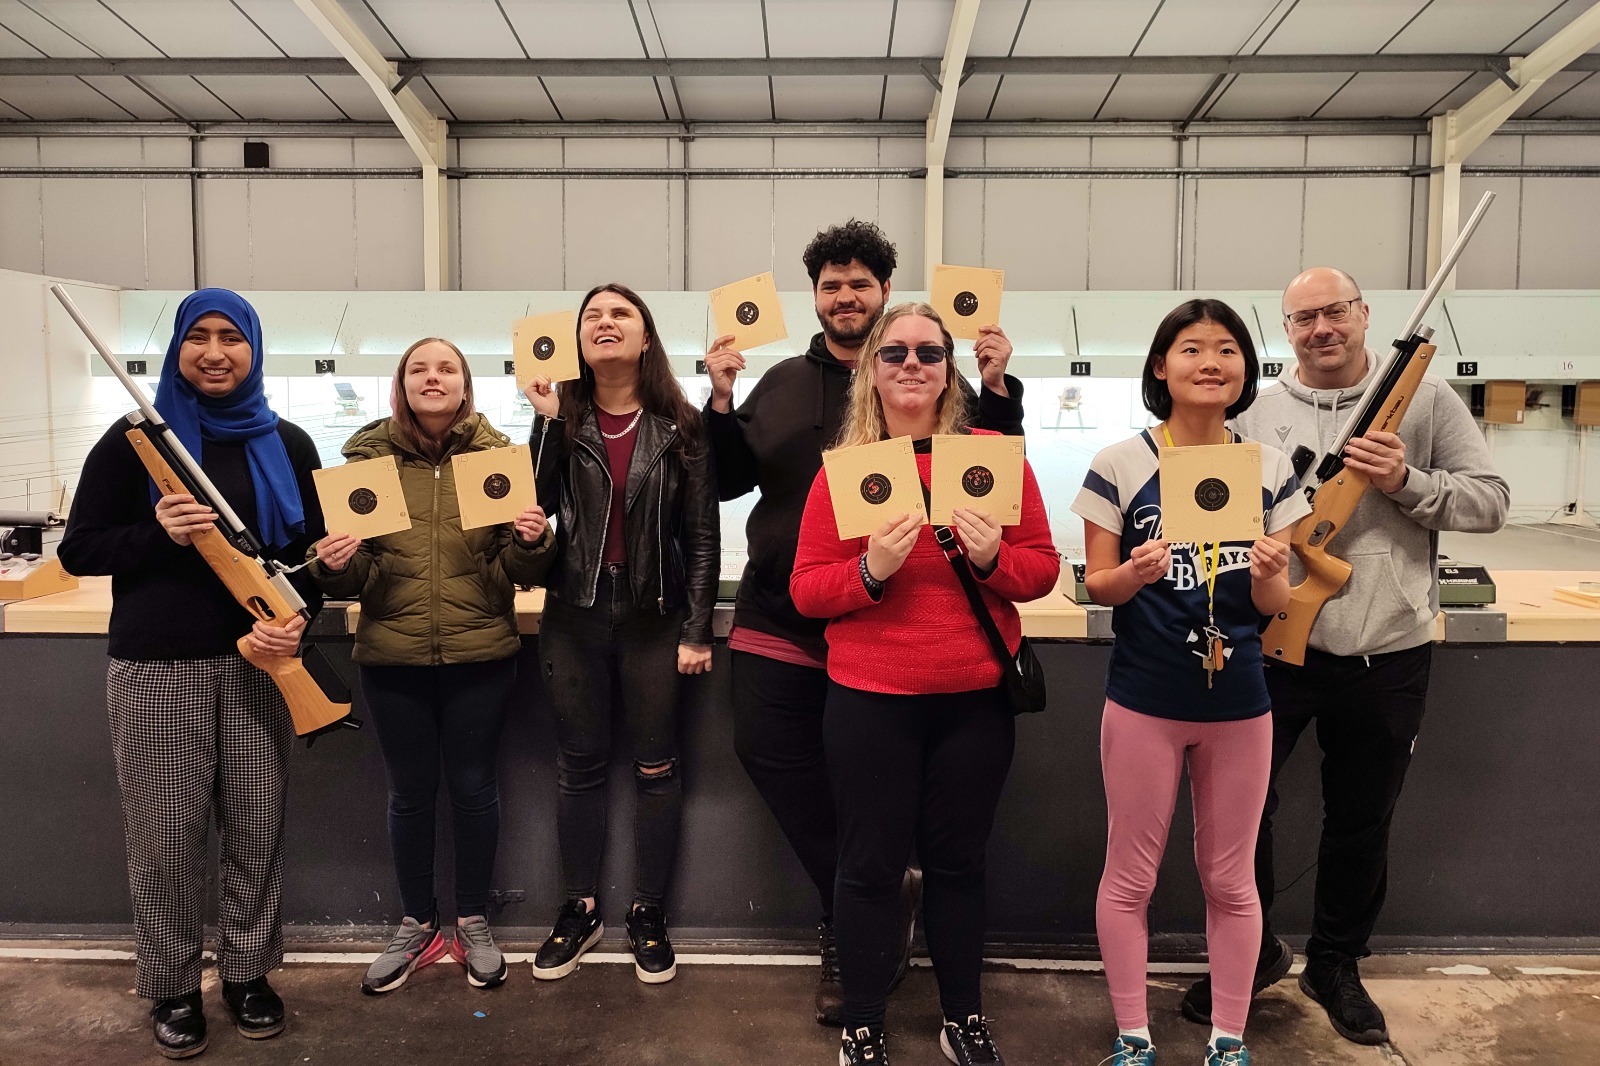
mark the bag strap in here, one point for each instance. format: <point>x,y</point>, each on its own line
<point>950,544</point>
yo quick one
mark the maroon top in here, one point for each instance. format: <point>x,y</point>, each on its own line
<point>619,454</point>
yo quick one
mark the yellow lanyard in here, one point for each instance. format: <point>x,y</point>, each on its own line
<point>1210,564</point>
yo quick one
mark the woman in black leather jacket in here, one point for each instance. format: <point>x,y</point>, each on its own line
<point>622,465</point>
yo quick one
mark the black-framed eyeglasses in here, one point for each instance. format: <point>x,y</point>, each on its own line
<point>927,354</point>
<point>1334,313</point>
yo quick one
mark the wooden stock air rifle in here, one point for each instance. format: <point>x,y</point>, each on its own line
<point>318,702</point>
<point>1334,489</point>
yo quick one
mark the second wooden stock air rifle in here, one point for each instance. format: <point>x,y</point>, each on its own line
<point>318,701</point>
<point>1334,489</point>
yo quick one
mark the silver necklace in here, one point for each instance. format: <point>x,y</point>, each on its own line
<point>625,432</point>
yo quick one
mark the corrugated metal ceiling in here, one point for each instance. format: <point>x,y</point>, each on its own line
<point>710,29</point>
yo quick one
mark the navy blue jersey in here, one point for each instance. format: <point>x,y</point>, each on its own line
<point>1158,660</point>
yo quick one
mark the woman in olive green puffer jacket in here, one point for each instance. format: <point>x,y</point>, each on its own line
<point>437,644</point>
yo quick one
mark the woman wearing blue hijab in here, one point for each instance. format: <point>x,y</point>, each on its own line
<point>199,735</point>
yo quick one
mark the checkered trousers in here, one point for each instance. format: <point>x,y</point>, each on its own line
<point>197,740</point>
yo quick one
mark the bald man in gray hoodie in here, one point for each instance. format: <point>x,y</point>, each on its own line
<point>1365,679</point>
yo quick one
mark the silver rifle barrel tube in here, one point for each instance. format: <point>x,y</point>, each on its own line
<point>1414,323</point>
<point>1447,265</point>
<point>191,469</point>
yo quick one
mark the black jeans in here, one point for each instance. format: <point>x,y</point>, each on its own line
<point>777,732</point>
<point>588,654</point>
<point>924,770</point>
<point>423,713</point>
<point>1368,711</point>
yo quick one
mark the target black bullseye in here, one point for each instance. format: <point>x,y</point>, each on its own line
<point>965,304</point>
<point>497,486</point>
<point>875,488</point>
<point>977,481</point>
<point>747,313</point>
<point>544,348</point>
<point>363,501</point>
<point>1211,494</point>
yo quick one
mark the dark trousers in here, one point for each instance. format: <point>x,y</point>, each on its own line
<point>589,653</point>
<point>913,770</point>
<point>777,732</point>
<point>425,715</point>
<point>197,741</point>
<point>1368,711</point>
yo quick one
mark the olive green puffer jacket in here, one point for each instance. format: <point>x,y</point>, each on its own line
<point>434,593</point>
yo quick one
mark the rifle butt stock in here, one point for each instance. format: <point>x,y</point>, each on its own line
<point>312,706</point>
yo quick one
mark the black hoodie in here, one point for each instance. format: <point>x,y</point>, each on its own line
<point>774,442</point>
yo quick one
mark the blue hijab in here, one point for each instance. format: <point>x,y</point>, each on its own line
<point>243,414</point>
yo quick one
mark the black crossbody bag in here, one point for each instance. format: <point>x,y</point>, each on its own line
<point>1021,676</point>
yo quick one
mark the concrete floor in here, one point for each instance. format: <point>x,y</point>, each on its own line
<point>1451,1011</point>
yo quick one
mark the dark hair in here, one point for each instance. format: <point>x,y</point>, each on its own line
<point>1157,397</point>
<point>856,240</point>
<point>401,414</point>
<point>657,389</point>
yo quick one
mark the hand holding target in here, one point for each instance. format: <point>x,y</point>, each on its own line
<point>1151,560</point>
<point>888,548</point>
<point>337,549</point>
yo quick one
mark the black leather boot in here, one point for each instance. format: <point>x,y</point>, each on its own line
<point>256,1008</point>
<point>180,1026</point>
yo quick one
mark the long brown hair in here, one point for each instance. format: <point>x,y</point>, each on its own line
<point>405,418</point>
<point>863,417</point>
<point>657,391</point>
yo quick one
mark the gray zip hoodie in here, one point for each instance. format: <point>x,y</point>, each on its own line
<point>1391,541</point>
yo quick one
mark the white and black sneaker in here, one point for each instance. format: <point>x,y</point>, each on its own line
<point>577,930</point>
<point>968,1043</point>
<point>864,1047</point>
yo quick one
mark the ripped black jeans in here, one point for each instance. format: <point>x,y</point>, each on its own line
<point>589,654</point>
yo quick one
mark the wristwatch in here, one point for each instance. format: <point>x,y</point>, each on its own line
<point>873,586</point>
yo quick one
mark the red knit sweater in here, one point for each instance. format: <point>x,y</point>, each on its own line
<point>922,636</point>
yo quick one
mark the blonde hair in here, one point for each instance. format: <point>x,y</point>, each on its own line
<point>863,418</point>
<point>403,416</point>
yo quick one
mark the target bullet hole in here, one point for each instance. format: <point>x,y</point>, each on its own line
<point>363,501</point>
<point>497,486</point>
<point>1211,494</point>
<point>544,348</point>
<point>977,481</point>
<point>747,313</point>
<point>966,304</point>
<point>876,489</point>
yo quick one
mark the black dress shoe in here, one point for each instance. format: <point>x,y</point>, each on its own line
<point>180,1026</point>
<point>256,1008</point>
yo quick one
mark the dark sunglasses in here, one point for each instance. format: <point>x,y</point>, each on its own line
<point>927,354</point>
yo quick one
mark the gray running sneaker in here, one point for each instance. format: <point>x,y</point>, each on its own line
<point>412,948</point>
<point>473,947</point>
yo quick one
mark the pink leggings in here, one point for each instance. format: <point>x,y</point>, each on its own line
<point>1142,759</point>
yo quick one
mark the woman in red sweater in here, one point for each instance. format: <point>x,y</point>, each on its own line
<point>919,736</point>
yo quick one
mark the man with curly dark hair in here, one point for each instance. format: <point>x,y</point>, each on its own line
<point>773,442</point>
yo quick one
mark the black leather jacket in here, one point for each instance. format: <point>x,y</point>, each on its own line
<point>671,528</point>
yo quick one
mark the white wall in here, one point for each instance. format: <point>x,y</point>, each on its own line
<point>551,234</point>
<point>51,411</point>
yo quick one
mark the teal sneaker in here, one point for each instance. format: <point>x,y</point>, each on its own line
<point>1130,1051</point>
<point>1228,1052</point>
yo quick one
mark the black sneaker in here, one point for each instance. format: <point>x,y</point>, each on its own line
<point>653,960</point>
<point>1338,990</point>
<point>864,1047</point>
<point>1270,969</point>
<point>968,1043</point>
<point>577,930</point>
<point>910,907</point>
<point>830,993</point>
<point>180,1026</point>
<point>257,1011</point>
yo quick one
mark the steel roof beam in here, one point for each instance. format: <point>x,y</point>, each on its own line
<point>422,130</point>
<point>780,66</point>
